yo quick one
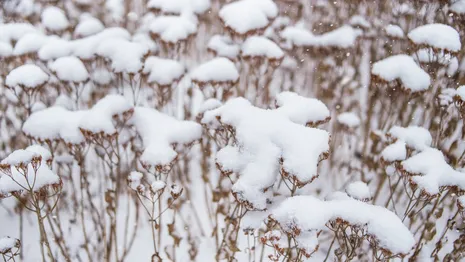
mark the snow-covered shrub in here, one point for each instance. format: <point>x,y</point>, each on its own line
<point>232,130</point>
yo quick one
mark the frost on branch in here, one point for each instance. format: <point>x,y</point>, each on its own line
<point>27,170</point>
<point>270,142</point>
<point>383,229</point>
<point>400,71</point>
<point>247,17</point>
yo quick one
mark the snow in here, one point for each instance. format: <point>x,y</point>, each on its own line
<point>358,20</point>
<point>55,123</point>
<point>42,151</point>
<point>223,46</point>
<point>415,137</point>
<point>209,104</point>
<point>178,6</point>
<point>30,43</point>
<point>6,50</point>
<point>259,46</point>
<point>8,243</point>
<point>99,119</point>
<point>430,172</point>
<point>157,186</point>
<point>88,26</point>
<point>144,38</point>
<point>159,132</point>
<point>101,76</point>
<point>134,179</point>
<point>349,119</point>
<point>461,92</point>
<point>35,177</point>
<point>246,16</point>
<point>163,71</point>
<point>342,37</point>
<point>359,190</point>
<point>438,36</point>
<point>302,110</point>
<point>36,77</point>
<point>172,29</point>
<point>54,19</point>
<point>218,71</point>
<point>58,123</point>
<point>394,152</point>
<point>20,157</point>
<point>125,56</point>
<point>394,31</point>
<point>458,7</point>
<point>86,48</point>
<point>264,137</point>
<point>310,214</point>
<point>55,48</point>
<point>14,31</point>
<point>403,68</point>
<point>69,69</point>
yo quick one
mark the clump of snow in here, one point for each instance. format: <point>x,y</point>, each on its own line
<point>209,104</point>
<point>35,174</point>
<point>30,43</point>
<point>430,172</point>
<point>58,123</point>
<point>134,179</point>
<point>14,31</point>
<point>54,19</point>
<point>163,72</point>
<point>7,244</point>
<point>223,46</point>
<point>394,31</point>
<point>309,214</point>
<point>359,191</point>
<point>360,21</point>
<point>99,119</point>
<point>437,36</point>
<point>264,138</point>
<point>179,6</point>
<point>172,29</point>
<point>88,26</point>
<point>259,46</point>
<point>457,7</point>
<point>55,48</point>
<point>394,152</point>
<point>159,132</point>
<point>461,93</point>
<point>415,137</point>
<point>403,68</point>
<point>86,48</point>
<point>157,186</point>
<point>302,110</point>
<point>69,69</point>
<point>6,50</point>
<point>342,37</point>
<point>125,56</point>
<point>27,76</point>
<point>20,157</point>
<point>247,16</point>
<point>349,119</point>
<point>145,39</point>
<point>216,71</point>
